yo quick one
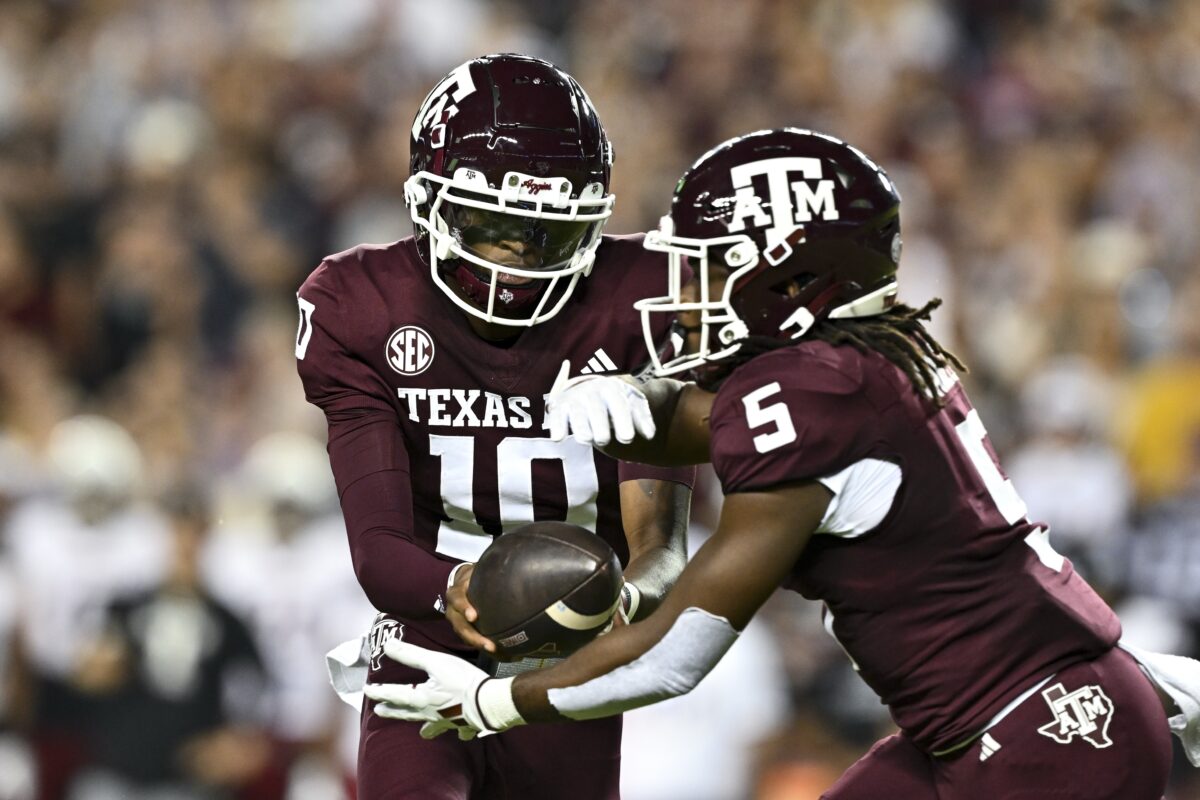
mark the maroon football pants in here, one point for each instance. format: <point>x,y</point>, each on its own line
<point>563,761</point>
<point>1095,731</point>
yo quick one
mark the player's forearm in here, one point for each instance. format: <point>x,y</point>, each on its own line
<point>655,516</point>
<point>654,572</point>
<point>400,578</point>
<point>369,459</point>
<point>759,540</point>
<point>602,655</point>
<point>663,657</point>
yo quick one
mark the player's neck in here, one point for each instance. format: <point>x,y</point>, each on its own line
<point>492,333</point>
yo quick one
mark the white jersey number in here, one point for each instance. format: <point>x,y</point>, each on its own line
<point>1010,505</point>
<point>304,334</point>
<point>972,435</point>
<point>775,414</point>
<point>463,536</point>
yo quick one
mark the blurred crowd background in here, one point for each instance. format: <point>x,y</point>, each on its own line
<point>172,563</point>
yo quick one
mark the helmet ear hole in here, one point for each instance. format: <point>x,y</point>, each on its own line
<point>741,254</point>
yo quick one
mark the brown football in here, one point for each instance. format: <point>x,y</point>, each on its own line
<point>545,589</point>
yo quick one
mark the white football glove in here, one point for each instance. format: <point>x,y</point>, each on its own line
<point>457,696</point>
<point>594,408</point>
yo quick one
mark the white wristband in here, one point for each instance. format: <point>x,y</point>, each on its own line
<point>495,704</point>
<point>454,573</point>
<point>631,598</point>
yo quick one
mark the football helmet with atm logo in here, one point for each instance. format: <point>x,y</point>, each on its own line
<point>781,228</point>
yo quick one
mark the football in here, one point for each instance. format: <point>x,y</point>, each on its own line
<point>545,589</point>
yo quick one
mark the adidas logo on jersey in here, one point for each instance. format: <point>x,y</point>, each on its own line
<point>988,747</point>
<point>599,362</point>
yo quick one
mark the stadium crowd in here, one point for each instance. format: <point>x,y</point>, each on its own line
<point>171,561</point>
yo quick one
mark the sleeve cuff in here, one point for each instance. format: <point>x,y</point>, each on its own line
<point>454,573</point>
<point>497,709</point>
<point>631,598</point>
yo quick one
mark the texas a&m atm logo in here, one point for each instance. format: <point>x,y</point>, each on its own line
<point>410,350</point>
<point>442,104</point>
<point>788,204</point>
<point>1085,712</point>
<point>382,630</point>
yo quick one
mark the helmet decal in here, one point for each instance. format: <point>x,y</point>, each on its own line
<point>441,103</point>
<point>791,202</point>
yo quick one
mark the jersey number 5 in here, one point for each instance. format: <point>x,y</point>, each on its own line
<point>973,435</point>
<point>776,414</point>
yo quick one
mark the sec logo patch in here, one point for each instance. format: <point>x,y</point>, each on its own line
<point>410,350</point>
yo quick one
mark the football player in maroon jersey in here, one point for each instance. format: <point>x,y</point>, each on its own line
<point>855,472</point>
<point>422,356</point>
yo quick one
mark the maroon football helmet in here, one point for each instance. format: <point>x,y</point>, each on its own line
<point>798,225</point>
<point>509,187</point>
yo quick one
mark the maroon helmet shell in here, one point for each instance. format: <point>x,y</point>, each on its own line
<point>509,183</point>
<point>804,225</point>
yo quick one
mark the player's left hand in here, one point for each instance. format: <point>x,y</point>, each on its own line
<point>462,615</point>
<point>444,702</point>
<point>596,408</point>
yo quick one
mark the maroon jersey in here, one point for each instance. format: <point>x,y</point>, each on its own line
<point>437,437</point>
<point>947,599</point>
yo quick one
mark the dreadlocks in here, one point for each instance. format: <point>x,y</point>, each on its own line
<point>897,335</point>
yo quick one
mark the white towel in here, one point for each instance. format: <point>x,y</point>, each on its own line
<point>348,664</point>
<point>1179,678</point>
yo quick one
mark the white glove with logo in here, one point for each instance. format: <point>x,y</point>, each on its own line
<point>592,408</point>
<point>457,696</point>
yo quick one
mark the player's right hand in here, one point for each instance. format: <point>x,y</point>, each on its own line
<point>594,409</point>
<point>462,614</point>
<point>445,702</point>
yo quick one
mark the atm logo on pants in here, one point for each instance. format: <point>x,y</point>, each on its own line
<point>1085,712</point>
<point>381,631</point>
